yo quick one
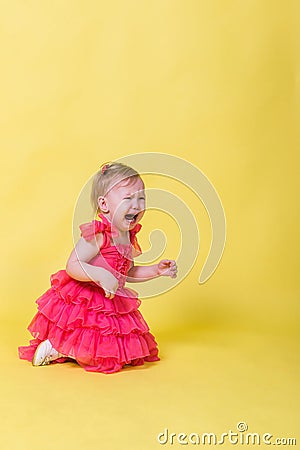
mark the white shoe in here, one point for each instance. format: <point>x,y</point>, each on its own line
<point>44,354</point>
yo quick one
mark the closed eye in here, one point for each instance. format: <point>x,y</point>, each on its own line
<point>129,198</point>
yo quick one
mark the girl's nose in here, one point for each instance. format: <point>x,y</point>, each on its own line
<point>135,203</point>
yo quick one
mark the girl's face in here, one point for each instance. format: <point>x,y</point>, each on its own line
<point>124,203</point>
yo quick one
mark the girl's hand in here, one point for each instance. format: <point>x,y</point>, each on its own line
<point>167,267</point>
<point>109,284</point>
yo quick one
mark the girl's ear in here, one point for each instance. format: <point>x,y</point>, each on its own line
<point>102,204</point>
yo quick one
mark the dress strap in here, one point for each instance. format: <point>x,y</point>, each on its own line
<point>133,239</point>
<point>90,229</point>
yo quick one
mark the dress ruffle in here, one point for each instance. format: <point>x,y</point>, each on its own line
<point>101,334</point>
<point>90,229</point>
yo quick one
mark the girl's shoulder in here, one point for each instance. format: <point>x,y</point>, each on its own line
<point>134,242</point>
<point>90,230</point>
<point>101,232</point>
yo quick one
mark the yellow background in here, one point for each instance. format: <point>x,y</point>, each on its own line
<point>213,82</point>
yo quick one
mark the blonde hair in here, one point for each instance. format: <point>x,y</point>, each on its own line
<point>107,176</point>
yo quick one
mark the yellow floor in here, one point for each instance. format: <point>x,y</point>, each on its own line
<point>206,382</point>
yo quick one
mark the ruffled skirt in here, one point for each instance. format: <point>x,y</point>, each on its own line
<point>80,322</point>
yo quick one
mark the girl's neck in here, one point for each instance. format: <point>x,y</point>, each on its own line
<point>123,234</point>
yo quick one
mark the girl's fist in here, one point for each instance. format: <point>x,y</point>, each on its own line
<point>167,267</point>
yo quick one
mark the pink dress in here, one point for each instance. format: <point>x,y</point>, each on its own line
<point>80,322</point>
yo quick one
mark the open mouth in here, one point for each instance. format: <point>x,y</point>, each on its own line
<point>131,218</point>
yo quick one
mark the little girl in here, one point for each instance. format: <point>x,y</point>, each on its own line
<point>88,314</point>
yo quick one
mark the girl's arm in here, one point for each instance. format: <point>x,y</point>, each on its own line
<point>166,267</point>
<point>78,267</point>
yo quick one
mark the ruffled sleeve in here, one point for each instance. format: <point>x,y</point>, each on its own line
<point>90,229</point>
<point>134,241</point>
